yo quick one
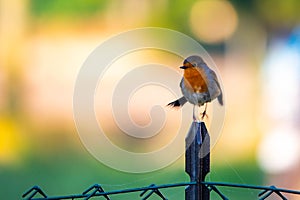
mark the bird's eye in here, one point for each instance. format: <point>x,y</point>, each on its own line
<point>194,64</point>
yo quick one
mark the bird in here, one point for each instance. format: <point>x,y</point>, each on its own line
<point>199,85</point>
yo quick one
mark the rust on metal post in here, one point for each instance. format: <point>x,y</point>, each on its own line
<point>197,161</point>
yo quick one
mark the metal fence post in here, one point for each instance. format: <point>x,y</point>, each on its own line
<point>197,161</point>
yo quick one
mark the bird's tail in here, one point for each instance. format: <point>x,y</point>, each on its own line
<point>179,102</point>
<point>220,99</point>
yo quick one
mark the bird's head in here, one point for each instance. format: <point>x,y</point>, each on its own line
<point>192,61</point>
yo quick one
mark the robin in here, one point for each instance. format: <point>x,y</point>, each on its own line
<point>199,85</point>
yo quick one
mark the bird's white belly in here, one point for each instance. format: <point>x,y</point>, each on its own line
<point>196,98</point>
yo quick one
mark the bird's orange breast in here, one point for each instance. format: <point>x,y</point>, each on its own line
<point>194,81</point>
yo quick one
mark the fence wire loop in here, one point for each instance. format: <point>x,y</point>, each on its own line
<point>94,190</point>
<point>215,189</point>
<point>266,193</point>
<point>32,192</point>
<point>153,191</point>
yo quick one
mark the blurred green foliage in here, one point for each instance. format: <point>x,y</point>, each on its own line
<point>66,9</point>
<point>173,16</point>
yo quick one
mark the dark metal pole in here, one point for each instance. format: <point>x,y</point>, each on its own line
<point>197,161</point>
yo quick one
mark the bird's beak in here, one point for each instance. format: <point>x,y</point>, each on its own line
<point>183,67</point>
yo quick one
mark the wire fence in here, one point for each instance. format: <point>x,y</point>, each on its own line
<point>36,193</point>
<point>197,165</point>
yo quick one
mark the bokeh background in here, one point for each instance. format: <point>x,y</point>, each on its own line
<point>255,44</point>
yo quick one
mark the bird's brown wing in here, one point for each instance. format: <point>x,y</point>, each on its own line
<point>215,78</point>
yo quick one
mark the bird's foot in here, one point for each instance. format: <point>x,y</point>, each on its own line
<point>196,119</point>
<point>203,115</point>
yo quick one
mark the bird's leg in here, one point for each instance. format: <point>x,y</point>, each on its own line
<point>194,116</point>
<point>204,112</point>
<point>196,113</point>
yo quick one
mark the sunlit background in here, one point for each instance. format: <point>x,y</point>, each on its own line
<point>255,44</point>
